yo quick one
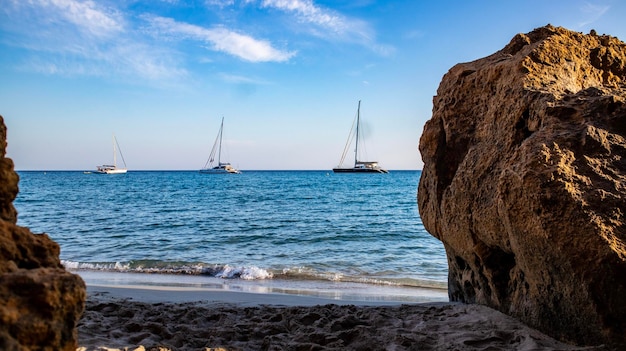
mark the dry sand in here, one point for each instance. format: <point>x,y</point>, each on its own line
<point>159,318</point>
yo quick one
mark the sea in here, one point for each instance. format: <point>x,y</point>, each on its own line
<point>300,232</point>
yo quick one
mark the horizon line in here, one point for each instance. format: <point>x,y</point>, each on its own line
<point>194,170</point>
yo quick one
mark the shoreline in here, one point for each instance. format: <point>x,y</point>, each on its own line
<point>154,287</point>
<point>169,294</point>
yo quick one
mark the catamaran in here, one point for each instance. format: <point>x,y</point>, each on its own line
<point>220,167</point>
<point>359,166</point>
<point>113,169</point>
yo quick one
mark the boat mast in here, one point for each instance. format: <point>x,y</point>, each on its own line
<point>219,153</point>
<point>114,153</point>
<point>115,143</point>
<point>356,145</point>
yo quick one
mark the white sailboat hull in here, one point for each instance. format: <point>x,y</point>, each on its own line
<point>217,171</point>
<point>220,170</point>
<point>112,169</point>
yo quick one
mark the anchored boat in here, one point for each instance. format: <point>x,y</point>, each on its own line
<point>359,166</point>
<point>220,167</point>
<point>113,169</point>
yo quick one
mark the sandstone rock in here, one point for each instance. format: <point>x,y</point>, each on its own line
<point>524,182</point>
<point>8,180</point>
<point>40,302</point>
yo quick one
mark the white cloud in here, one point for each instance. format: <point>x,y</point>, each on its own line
<point>220,3</point>
<point>68,37</point>
<point>592,13</point>
<point>224,40</point>
<point>88,16</point>
<point>308,12</point>
<point>73,37</point>
<point>89,37</point>
<point>330,24</point>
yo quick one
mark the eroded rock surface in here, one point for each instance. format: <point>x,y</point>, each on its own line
<point>524,182</point>
<point>40,302</point>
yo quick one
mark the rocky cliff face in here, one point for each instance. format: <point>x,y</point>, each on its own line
<point>524,182</point>
<point>40,302</point>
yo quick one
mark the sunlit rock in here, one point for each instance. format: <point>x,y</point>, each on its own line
<point>524,182</point>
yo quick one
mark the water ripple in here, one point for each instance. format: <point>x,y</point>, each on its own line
<point>354,227</point>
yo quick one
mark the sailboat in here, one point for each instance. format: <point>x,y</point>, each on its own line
<point>359,166</point>
<point>113,169</point>
<point>220,167</point>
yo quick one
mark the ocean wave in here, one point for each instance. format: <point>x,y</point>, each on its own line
<point>301,273</point>
<point>157,267</point>
<point>246,272</point>
<point>269,226</point>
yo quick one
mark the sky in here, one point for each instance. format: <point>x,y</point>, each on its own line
<point>286,75</point>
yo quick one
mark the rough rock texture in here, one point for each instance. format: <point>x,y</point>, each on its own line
<point>524,182</point>
<point>40,302</point>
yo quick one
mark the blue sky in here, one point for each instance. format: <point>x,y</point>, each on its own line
<point>286,75</point>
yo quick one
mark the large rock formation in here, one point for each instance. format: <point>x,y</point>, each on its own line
<point>524,182</point>
<point>40,302</point>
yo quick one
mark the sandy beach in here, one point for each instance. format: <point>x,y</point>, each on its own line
<point>135,317</point>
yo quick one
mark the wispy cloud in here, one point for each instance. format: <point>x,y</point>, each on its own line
<point>242,86</point>
<point>592,13</point>
<point>239,79</point>
<point>87,16</point>
<point>74,37</point>
<point>67,37</point>
<point>330,24</point>
<point>49,17</point>
<point>102,38</point>
<point>220,3</point>
<point>222,39</point>
<point>307,11</point>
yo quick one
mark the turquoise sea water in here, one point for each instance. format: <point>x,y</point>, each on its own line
<point>299,227</point>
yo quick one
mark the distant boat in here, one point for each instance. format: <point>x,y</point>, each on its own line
<point>359,166</point>
<point>113,169</point>
<point>220,167</point>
